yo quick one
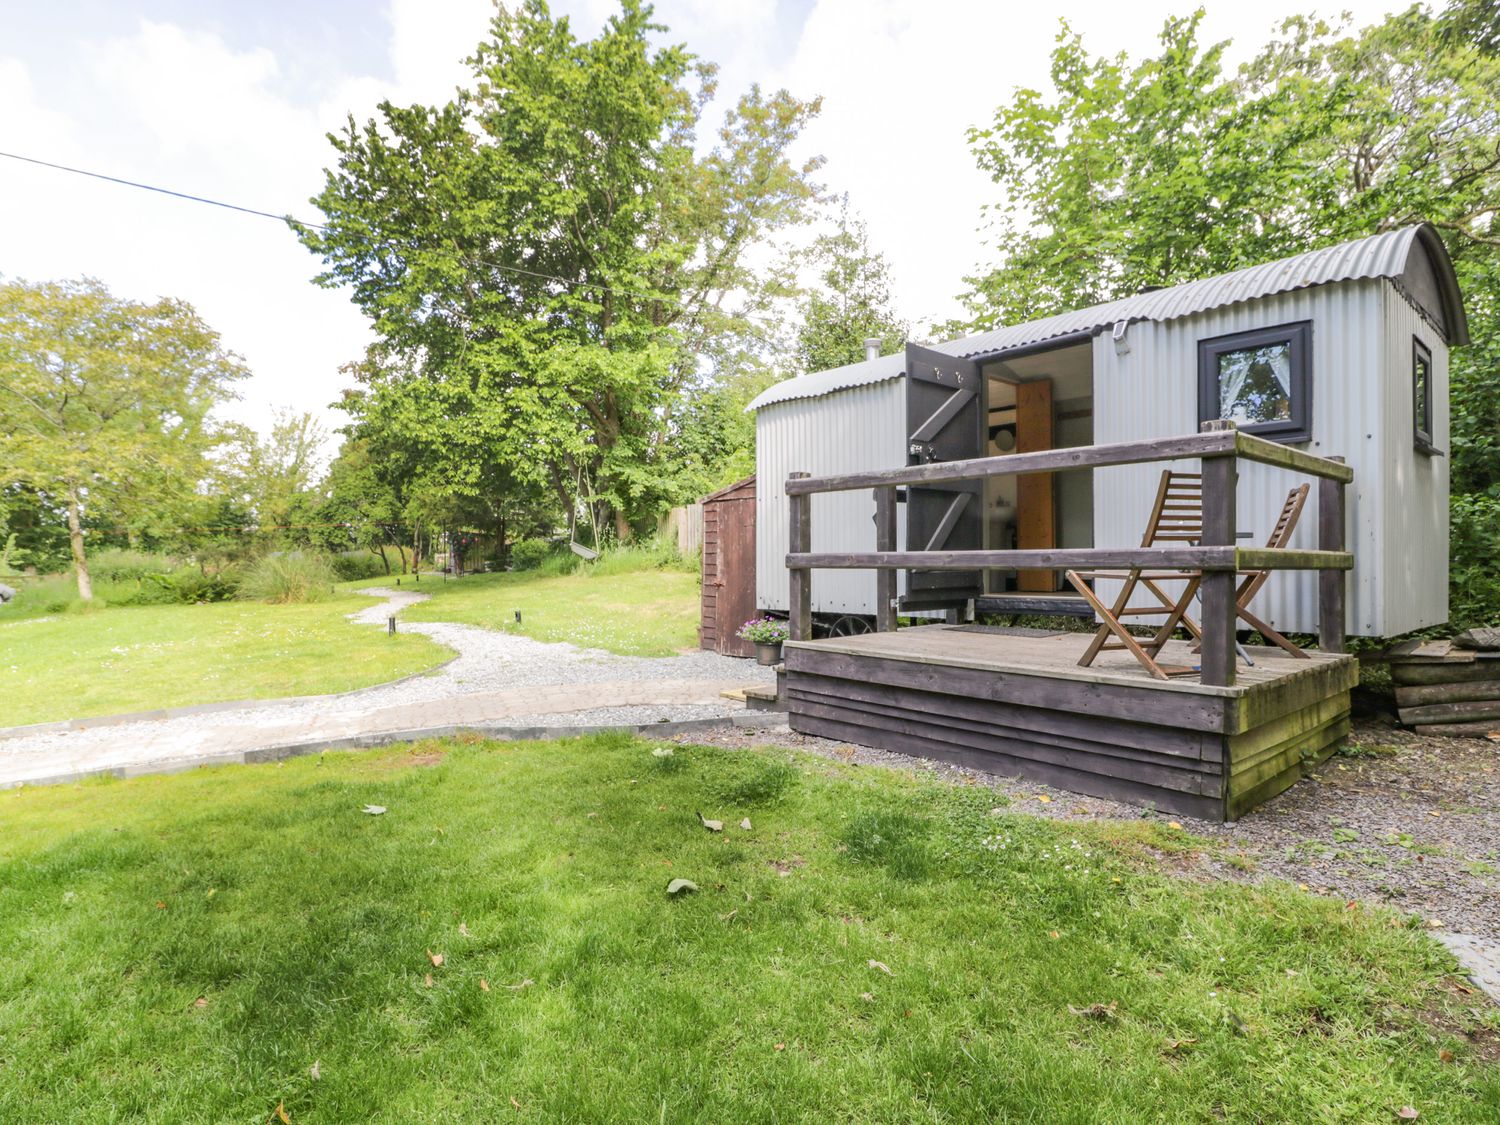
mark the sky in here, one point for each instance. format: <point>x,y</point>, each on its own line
<point>234,101</point>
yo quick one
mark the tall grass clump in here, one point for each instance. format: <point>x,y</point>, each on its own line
<point>291,576</point>
<point>352,565</point>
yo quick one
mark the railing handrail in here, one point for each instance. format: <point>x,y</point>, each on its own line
<point>1215,554</point>
<point>1219,443</point>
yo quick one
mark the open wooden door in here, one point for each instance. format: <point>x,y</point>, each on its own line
<point>944,422</point>
<point>1036,503</point>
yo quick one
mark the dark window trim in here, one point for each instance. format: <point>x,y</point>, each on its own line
<point>1299,335</point>
<point>1422,439</point>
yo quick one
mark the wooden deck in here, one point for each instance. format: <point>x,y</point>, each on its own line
<point>1015,702</point>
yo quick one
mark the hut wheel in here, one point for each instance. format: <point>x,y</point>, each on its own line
<point>850,625</point>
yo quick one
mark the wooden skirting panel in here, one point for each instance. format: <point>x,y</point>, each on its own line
<point>1138,745</point>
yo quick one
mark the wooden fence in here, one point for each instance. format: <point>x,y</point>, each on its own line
<point>1216,555</point>
<point>683,526</point>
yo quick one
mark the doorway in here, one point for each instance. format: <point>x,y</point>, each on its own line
<point>1043,400</point>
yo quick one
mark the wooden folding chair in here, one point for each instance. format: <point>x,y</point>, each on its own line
<point>1252,580</point>
<point>1176,517</point>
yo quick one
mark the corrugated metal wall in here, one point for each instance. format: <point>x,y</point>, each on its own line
<point>1361,380</point>
<point>849,430</point>
<point>1414,575</point>
<point>1151,391</point>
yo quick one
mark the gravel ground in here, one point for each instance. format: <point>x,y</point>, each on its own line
<point>1406,820</point>
<point>486,661</point>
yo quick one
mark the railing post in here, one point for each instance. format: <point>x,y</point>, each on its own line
<point>885,540</point>
<point>1331,583</point>
<point>1220,475</point>
<point>799,541</point>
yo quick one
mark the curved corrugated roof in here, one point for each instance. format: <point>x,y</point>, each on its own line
<point>1382,255</point>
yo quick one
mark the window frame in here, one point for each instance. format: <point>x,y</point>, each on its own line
<point>1298,337</point>
<point>1421,439</point>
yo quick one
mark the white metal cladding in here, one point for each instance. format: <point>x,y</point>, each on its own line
<point>1414,571</point>
<point>1383,255</point>
<point>854,429</point>
<point>1152,391</point>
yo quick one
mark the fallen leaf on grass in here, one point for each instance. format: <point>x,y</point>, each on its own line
<point>1053,934</point>
<point>1175,1045</point>
<point>484,985</point>
<point>435,958</point>
<point>315,1071</point>
<point>1445,1055</point>
<point>427,980</point>
<point>374,810</point>
<point>745,824</point>
<point>280,1114</point>
<point>201,1002</point>
<point>516,1104</point>
<point>527,983</point>
<point>1096,1011</point>
<point>681,887</point>
<point>781,1046</point>
<point>868,997</point>
<point>1173,824</point>
<point>1408,1113</point>
<point>881,966</point>
<point>463,929</point>
<point>711,825</point>
<point>1042,797</point>
<point>730,916</point>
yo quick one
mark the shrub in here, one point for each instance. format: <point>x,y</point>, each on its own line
<point>121,564</point>
<point>1473,579</point>
<point>529,554</point>
<point>293,576</point>
<point>353,565</point>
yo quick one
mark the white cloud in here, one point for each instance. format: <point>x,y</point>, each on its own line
<point>176,105</point>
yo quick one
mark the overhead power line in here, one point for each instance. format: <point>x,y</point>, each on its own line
<point>519,271</point>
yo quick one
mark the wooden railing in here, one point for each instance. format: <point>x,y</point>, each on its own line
<point>1216,554</point>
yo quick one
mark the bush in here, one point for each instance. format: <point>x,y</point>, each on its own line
<point>1473,578</point>
<point>350,566</point>
<point>294,576</point>
<point>120,564</point>
<point>529,554</point>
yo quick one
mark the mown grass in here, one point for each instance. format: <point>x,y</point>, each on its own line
<point>110,661</point>
<point>631,607</point>
<point>873,948</point>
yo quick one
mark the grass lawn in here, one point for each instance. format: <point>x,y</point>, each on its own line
<point>651,612</point>
<point>873,948</point>
<point>73,665</point>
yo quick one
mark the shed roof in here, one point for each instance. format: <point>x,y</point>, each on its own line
<point>1384,255</point>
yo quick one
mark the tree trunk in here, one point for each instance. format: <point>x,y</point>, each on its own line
<point>622,527</point>
<point>381,548</point>
<point>75,541</point>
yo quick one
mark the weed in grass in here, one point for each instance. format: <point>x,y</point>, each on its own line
<point>892,838</point>
<point>1368,750</point>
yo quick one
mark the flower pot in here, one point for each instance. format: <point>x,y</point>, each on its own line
<point>768,652</point>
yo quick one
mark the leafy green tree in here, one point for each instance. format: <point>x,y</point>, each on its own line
<point>104,402</point>
<point>850,302</point>
<point>1169,170</point>
<point>275,475</point>
<point>546,258</point>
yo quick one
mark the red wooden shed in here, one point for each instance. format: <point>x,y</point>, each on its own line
<point>728,568</point>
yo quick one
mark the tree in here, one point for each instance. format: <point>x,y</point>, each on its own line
<point>546,258</point>
<point>104,402</point>
<point>852,300</point>
<point>1169,170</point>
<point>275,476</point>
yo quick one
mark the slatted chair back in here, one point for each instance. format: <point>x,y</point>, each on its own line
<point>1177,515</point>
<point>1281,535</point>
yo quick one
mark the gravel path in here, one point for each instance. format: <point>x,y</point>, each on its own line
<point>1408,821</point>
<point>494,675</point>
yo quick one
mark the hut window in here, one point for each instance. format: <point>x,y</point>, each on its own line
<point>1259,380</point>
<point>1421,395</point>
